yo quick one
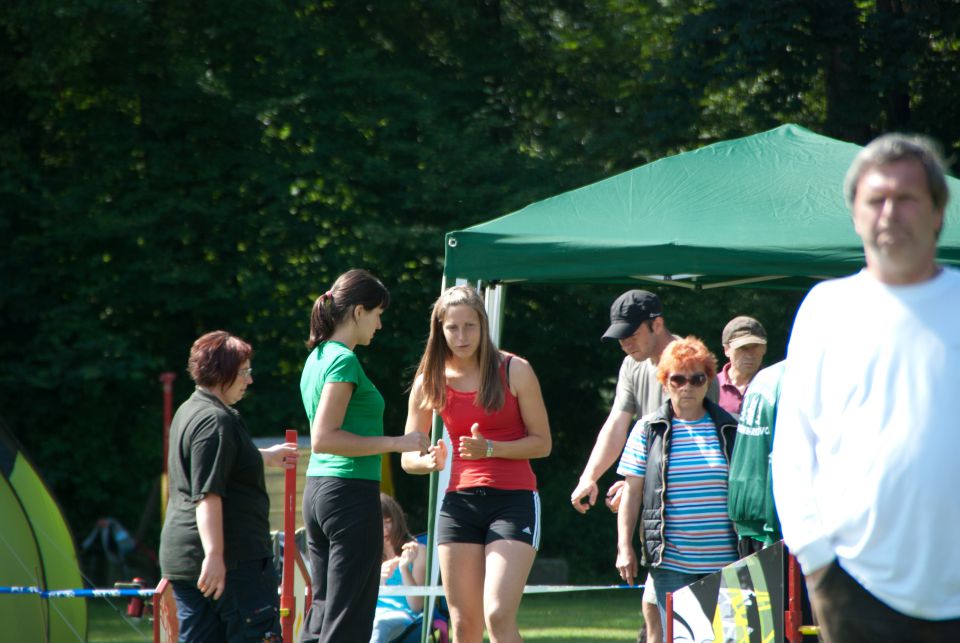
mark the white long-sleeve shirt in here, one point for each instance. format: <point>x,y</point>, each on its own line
<point>866,457</point>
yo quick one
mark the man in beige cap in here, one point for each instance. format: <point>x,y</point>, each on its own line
<point>744,343</point>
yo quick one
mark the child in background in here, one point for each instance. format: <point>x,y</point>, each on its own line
<point>404,563</point>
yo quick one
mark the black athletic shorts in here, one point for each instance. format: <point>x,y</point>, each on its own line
<point>482,515</point>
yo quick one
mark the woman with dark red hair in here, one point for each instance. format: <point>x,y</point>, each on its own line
<point>676,463</point>
<point>215,547</point>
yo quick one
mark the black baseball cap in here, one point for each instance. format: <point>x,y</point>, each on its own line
<point>631,309</point>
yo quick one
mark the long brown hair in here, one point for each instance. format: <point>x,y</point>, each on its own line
<point>399,532</point>
<point>435,355</point>
<point>353,288</point>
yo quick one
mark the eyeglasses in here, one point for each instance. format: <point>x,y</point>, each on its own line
<point>246,372</point>
<point>697,379</point>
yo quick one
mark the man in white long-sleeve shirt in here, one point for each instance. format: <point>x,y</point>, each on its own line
<point>866,457</point>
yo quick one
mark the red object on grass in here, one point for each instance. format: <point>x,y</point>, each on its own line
<point>136,603</point>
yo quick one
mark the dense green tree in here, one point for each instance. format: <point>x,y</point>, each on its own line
<point>850,69</point>
<point>167,168</point>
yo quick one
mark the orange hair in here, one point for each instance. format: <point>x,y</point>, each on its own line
<point>687,355</point>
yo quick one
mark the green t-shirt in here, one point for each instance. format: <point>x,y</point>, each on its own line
<point>333,362</point>
<point>750,489</point>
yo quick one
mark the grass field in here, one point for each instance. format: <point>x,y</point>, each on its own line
<point>108,622</point>
<point>580,617</point>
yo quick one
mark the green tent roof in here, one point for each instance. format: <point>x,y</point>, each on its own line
<point>765,209</point>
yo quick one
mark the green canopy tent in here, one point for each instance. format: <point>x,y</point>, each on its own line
<point>765,209</point>
<point>762,211</point>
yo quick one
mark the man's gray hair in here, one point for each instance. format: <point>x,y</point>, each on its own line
<point>891,148</point>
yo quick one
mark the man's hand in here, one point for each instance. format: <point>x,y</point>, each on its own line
<point>584,489</point>
<point>627,564</point>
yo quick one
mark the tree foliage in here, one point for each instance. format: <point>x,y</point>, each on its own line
<point>167,168</point>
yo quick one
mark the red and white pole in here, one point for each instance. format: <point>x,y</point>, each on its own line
<point>288,604</point>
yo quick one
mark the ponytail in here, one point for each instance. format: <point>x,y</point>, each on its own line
<point>322,321</point>
<point>352,288</point>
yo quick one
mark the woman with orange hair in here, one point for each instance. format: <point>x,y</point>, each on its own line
<point>675,464</point>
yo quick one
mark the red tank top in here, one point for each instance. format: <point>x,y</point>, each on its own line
<point>504,425</point>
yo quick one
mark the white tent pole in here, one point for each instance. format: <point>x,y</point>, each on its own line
<point>493,301</point>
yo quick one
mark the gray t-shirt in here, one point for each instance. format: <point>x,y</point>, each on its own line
<point>638,391</point>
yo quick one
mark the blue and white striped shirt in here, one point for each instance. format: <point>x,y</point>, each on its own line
<point>699,535</point>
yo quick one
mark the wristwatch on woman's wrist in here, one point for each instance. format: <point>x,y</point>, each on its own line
<point>489,448</point>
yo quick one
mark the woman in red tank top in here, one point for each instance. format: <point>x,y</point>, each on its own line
<point>493,410</point>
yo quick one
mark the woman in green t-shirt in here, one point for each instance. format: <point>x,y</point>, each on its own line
<point>341,501</point>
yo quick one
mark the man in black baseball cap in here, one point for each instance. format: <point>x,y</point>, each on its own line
<point>631,309</point>
<point>636,321</point>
